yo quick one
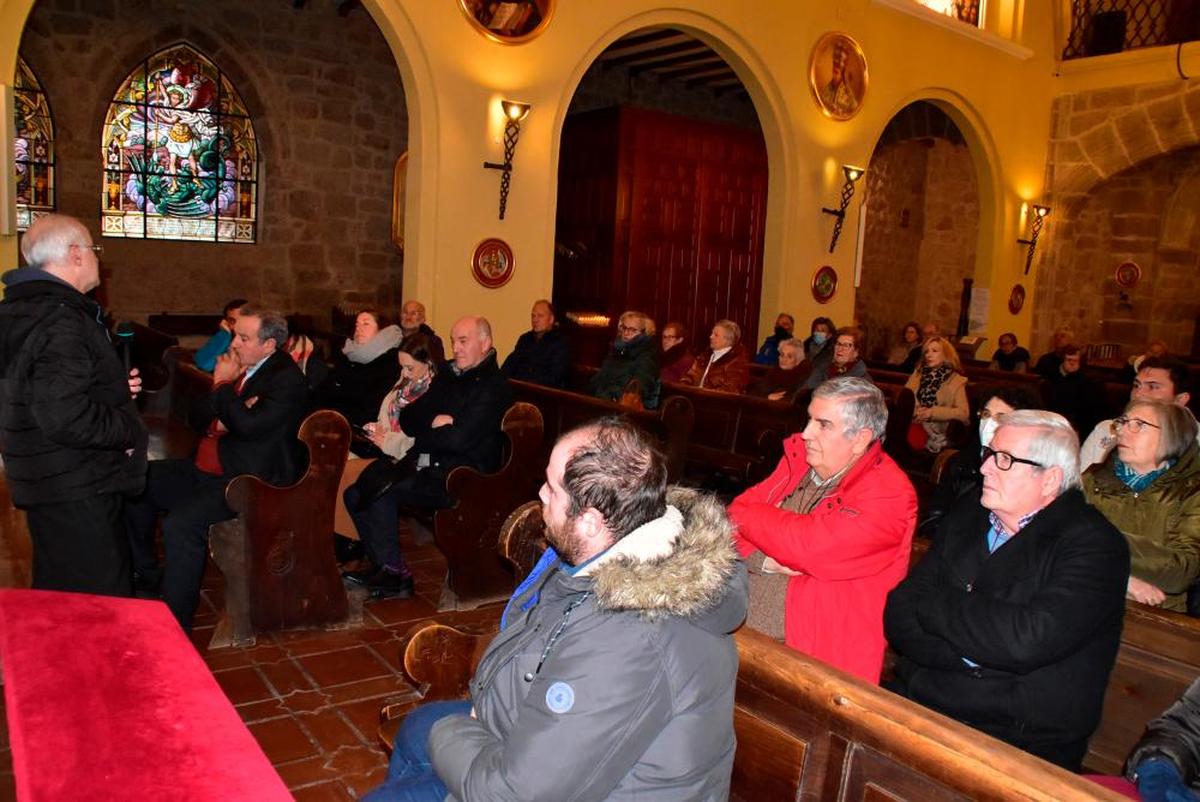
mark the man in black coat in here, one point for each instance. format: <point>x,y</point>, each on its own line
<point>456,422</point>
<point>541,355</point>
<point>249,422</point>
<point>70,434</point>
<point>1011,623</point>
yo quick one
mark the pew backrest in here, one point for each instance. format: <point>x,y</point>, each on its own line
<point>563,410</point>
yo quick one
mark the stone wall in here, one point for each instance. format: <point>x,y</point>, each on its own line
<point>1121,182</point>
<point>922,225</point>
<point>1149,215</point>
<point>329,114</point>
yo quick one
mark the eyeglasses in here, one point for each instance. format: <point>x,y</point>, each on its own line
<point>669,336</point>
<point>630,330</point>
<point>96,249</point>
<point>1004,460</point>
<point>844,344</point>
<point>1134,425</point>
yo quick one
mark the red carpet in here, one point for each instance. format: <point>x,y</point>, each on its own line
<point>108,699</point>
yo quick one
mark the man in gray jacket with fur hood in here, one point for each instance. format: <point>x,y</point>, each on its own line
<point>613,674</point>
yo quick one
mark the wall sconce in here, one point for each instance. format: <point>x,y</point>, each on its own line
<point>514,113</point>
<point>1039,219</point>
<point>852,175</point>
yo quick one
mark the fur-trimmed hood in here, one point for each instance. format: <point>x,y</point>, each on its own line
<point>681,564</point>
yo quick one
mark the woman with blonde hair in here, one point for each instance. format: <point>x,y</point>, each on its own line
<point>941,391</point>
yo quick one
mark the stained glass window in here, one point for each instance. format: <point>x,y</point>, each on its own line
<point>180,157</point>
<point>969,11</point>
<point>33,147</point>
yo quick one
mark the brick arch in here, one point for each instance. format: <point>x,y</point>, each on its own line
<point>1099,134</point>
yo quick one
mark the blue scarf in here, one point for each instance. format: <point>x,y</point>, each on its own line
<point>1137,482</point>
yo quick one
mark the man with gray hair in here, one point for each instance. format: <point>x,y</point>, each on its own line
<point>1011,623</point>
<point>248,424</point>
<point>828,534</point>
<point>71,437</point>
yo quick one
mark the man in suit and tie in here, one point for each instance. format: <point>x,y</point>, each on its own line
<point>249,421</point>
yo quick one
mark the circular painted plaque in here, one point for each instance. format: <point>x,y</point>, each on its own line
<point>1128,275</point>
<point>1016,299</point>
<point>492,264</point>
<point>837,76</point>
<point>824,284</point>
<point>509,22</point>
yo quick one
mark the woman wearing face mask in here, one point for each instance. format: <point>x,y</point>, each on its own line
<point>1149,487</point>
<point>818,348</point>
<point>960,476</point>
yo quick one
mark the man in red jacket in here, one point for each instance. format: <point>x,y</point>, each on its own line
<point>828,534</point>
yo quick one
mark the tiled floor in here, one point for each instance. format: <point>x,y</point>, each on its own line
<point>311,698</point>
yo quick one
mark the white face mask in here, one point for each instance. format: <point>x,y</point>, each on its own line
<point>987,430</point>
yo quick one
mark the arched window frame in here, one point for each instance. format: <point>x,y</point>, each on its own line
<point>33,147</point>
<point>176,104</point>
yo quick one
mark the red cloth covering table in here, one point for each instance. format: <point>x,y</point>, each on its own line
<point>107,699</point>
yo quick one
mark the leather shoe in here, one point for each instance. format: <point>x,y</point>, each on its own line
<point>387,585</point>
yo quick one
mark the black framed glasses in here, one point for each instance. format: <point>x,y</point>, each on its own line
<point>1004,460</point>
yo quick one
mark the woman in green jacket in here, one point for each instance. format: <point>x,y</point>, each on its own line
<point>634,355</point>
<point>1149,488</point>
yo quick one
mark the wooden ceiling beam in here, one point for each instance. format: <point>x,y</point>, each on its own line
<point>693,59</point>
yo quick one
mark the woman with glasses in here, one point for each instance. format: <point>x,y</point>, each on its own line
<point>960,475</point>
<point>634,355</point>
<point>676,356</point>
<point>1149,487</point>
<point>847,361</point>
<point>941,392</point>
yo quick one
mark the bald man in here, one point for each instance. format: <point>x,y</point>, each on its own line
<point>456,422</point>
<point>71,437</point>
<point>412,321</point>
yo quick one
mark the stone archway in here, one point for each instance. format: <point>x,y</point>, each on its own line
<point>922,220</point>
<point>1097,137</point>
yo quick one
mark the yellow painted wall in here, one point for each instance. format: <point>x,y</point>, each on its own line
<point>454,78</point>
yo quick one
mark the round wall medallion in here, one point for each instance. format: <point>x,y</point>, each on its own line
<point>511,22</point>
<point>837,75</point>
<point>1016,299</point>
<point>1128,275</point>
<point>824,284</point>
<point>492,264</point>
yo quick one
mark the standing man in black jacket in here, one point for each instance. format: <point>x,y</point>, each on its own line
<point>71,437</point>
<point>249,422</point>
<point>1011,623</point>
<point>456,422</point>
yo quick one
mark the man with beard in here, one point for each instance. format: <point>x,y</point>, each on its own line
<point>615,659</point>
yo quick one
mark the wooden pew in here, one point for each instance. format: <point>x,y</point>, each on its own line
<point>277,554</point>
<point>165,408</point>
<point>738,436</point>
<point>562,410</point>
<point>1159,658</point>
<point>804,730</point>
<point>468,533</point>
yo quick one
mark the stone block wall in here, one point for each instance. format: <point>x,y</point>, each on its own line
<point>922,225</point>
<point>1122,182</point>
<point>329,113</point>
<point>1149,215</point>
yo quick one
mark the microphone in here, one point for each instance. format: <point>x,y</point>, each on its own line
<point>125,343</point>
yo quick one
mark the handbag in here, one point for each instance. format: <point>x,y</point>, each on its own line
<point>377,479</point>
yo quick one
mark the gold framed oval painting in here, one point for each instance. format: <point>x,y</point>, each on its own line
<point>837,75</point>
<point>509,22</point>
